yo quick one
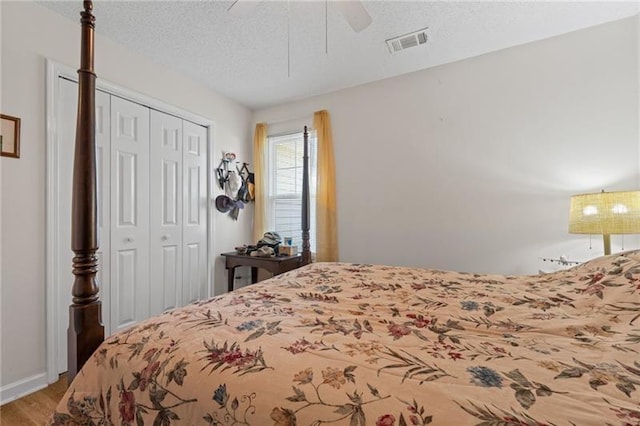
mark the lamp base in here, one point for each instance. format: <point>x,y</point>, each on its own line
<point>606,239</point>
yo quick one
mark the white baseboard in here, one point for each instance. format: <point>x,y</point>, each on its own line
<point>21,388</point>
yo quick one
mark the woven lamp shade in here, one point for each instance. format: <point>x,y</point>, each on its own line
<point>605,213</point>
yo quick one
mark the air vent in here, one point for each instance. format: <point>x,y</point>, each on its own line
<point>406,41</point>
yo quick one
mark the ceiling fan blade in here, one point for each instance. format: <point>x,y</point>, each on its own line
<point>355,14</point>
<point>243,7</point>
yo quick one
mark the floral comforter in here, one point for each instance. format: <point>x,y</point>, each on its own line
<point>354,344</point>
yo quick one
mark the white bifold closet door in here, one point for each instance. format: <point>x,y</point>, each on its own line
<point>103,175</point>
<point>129,213</point>
<point>178,212</point>
<point>63,255</point>
<point>166,211</point>
<point>194,228</point>
<point>152,212</point>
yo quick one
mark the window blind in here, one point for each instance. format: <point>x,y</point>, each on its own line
<point>285,163</point>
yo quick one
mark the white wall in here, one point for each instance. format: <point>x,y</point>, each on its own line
<point>470,166</point>
<point>31,33</point>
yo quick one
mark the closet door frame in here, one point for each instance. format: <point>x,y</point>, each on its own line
<point>54,314</point>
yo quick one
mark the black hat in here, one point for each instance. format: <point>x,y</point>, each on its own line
<point>224,204</point>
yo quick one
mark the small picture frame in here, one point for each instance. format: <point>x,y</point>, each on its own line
<point>9,136</point>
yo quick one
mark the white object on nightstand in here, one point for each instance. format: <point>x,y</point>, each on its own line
<point>560,263</point>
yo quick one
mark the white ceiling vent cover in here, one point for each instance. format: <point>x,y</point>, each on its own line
<point>406,41</point>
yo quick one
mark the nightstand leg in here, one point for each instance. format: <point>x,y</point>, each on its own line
<point>254,275</point>
<point>231,273</point>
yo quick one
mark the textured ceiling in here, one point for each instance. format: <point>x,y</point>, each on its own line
<point>259,60</point>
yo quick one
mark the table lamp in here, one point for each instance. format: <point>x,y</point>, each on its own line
<point>605,213</point>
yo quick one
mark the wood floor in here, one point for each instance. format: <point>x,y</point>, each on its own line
<point>33,409</point>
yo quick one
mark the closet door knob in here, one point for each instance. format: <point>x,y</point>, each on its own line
<point>164,237</point>
<point>128,240</point>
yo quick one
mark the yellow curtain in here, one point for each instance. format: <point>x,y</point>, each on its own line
<point>326,220</point>
<point>259,171</point>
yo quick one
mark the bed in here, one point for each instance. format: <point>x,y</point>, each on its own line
<point>335,343</point>
<point>356,344</point>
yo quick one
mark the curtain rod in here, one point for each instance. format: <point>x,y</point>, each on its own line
<point>290,132</point>
<point>284,120</point>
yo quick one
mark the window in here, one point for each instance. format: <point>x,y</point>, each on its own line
<point>284,200</point>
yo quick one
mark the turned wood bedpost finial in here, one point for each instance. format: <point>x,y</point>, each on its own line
<point>86,331</point>
<point>306,246</point>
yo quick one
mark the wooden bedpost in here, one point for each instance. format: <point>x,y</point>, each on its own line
<point>86,331</point>
<point>306,246</point>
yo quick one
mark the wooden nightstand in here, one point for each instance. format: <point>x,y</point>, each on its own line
<point>276,265</point>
